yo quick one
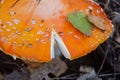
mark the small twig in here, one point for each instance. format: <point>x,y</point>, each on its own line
<point>113,14</point>
<point>117,2</point>
<point>106,53</point>
<point>114,76</point>
<point>115,42</point>
<point>106,5</point>
<point>110,74</point>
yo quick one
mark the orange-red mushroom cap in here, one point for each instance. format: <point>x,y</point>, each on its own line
<point>29,28</point>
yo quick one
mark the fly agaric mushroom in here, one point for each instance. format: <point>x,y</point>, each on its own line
<point>30,28</point>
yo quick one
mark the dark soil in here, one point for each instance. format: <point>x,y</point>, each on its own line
<point>105,60</point>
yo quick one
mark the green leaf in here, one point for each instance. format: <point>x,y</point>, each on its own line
<point>80,21</point>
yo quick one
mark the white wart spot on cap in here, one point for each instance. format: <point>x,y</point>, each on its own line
<point>41,25</point>
<point>29,45</point>
<point>14,57</point>
<point>13,35</point>
<point>102,10</point>
<point>76,37</point>
<point>61,33</point>
<point>28,29</point>
<point>21,45</point>
<point>90,8</point>
<point>98,11</point>
<point>12,13</point>
<point>40,32</point>
<point>8,30</point>
<point>70,33</point>
<point>9,23</point>
<point>18,32</point>
<point>14,43</point>
<point>2,39</point>
<point>33,21</point>
<point>42,41</point>
<point>16,21</point>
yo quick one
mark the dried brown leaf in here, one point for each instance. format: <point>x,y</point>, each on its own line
<point>97,21</point>
<point>55,67</point>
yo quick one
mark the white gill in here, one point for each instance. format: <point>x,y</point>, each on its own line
<point>56,38</point>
